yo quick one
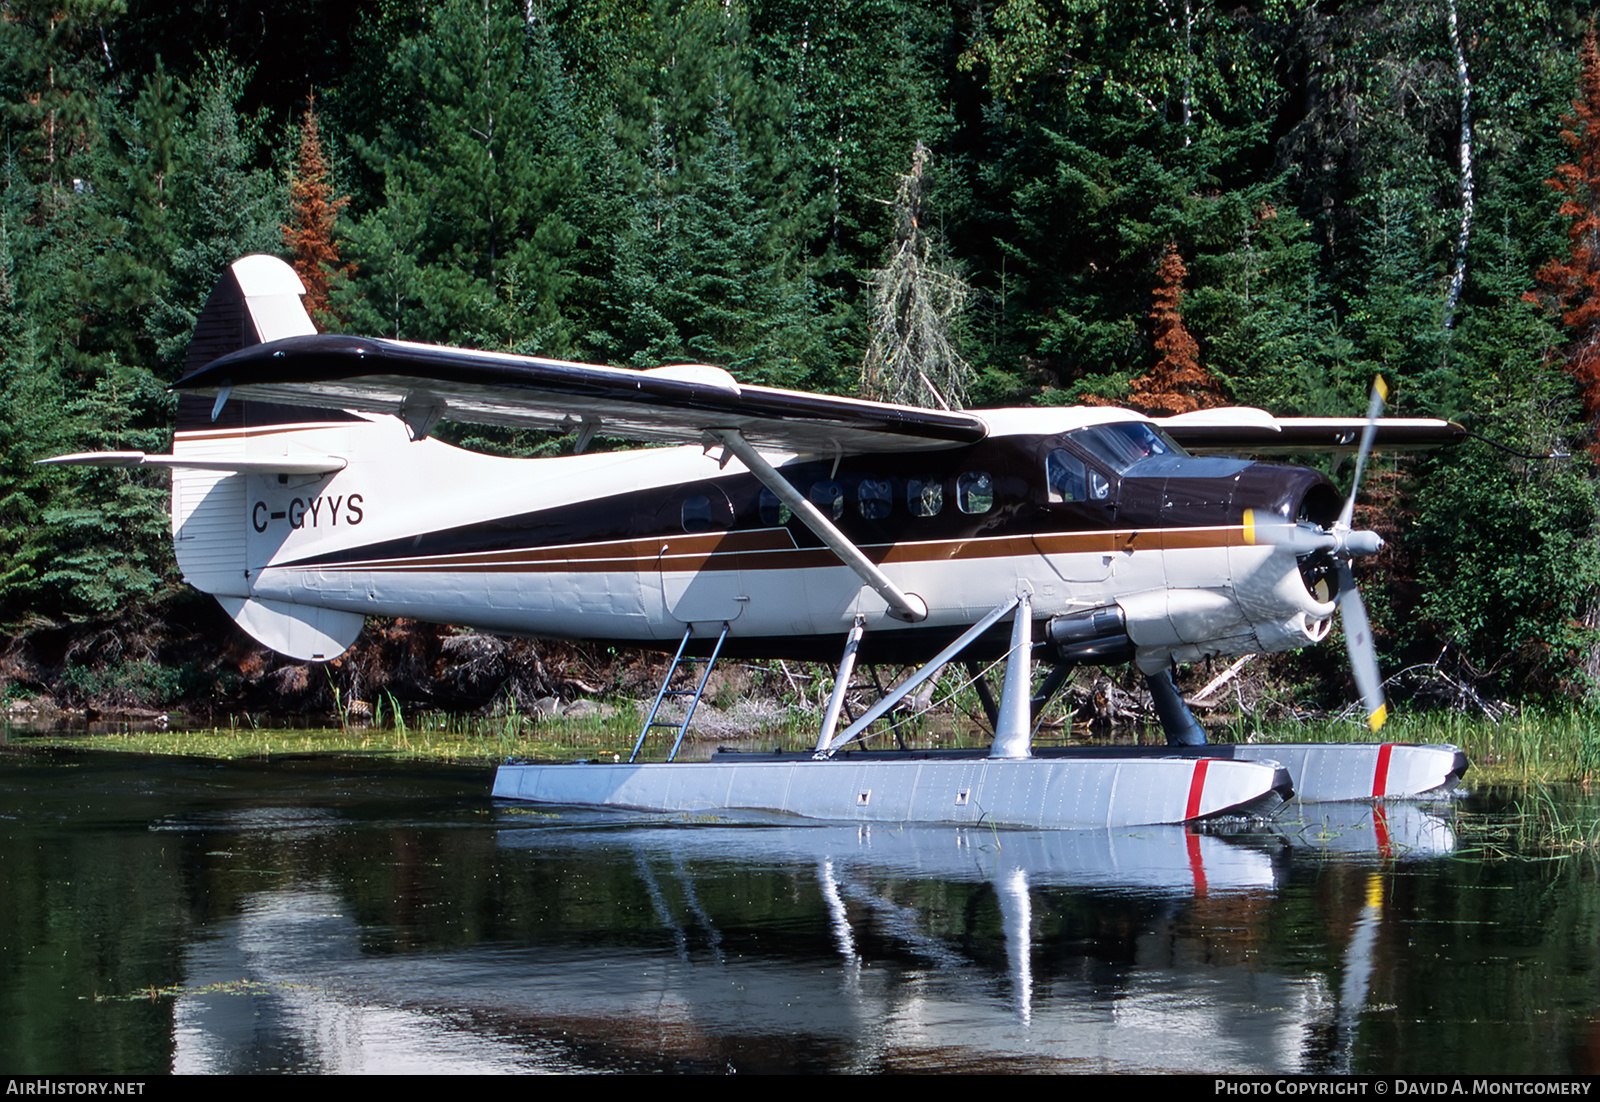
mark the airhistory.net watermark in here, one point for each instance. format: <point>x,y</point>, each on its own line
<point>22,1086</point>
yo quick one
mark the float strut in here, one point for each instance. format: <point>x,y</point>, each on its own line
<point>1176,720</point>
<point>1053,681</point>
<point>1014,732</point>
<point>841,684</point>
<point>909,685</point>
<point>991,706</point>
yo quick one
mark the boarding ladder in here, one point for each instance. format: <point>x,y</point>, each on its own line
<point>679,659</point>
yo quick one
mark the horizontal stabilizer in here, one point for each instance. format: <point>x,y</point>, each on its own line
<point>271,464</point>
<point>299,631</point>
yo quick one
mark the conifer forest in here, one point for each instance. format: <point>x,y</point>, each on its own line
<point>1160,204</point>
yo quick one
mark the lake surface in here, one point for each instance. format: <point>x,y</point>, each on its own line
<point>322,915</point>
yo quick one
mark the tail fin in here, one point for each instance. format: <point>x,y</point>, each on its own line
<point>256,301</point>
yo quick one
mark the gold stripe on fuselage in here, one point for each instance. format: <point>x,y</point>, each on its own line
<point>774,549</point>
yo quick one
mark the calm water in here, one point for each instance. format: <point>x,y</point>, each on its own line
<point>348,916</point>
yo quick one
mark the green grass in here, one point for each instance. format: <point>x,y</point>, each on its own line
<point>1531,746</point>
<point>431,738</point>
<point>426,737</point>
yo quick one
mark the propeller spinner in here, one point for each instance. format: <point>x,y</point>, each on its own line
<point>1342,543</point>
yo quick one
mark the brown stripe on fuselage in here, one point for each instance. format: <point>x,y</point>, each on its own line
<point>593,557</point>
<point>774,549</point>
<point>206,435</point>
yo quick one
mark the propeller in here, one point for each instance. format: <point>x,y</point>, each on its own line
<point>1342,543</point>
<point>1357,628</point>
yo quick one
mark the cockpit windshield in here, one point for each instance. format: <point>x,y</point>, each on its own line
<point>1123,444</point>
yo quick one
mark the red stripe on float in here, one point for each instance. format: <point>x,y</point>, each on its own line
<point>1380,776</point>
<point>1197,787</point>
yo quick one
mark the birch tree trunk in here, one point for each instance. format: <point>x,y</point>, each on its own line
<point>1458,273</point>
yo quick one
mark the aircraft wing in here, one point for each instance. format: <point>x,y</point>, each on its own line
<point>424,383</point>
<point>1256,431</point>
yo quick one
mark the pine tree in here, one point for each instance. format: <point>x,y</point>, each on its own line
<point>1393,311</point>
<point>649,255</point>
<point>30,419</point>
<point>1571,285</point>
<point>312,214</point>
<point>483,188</point>
<point>1507,564</point>
<point>864,85</point>
<point>50,84</point>
<point>916,295</point>
<point>1177,383</point>
<point>110,529</point>
<point>696,278</point>
<point>133,219</point>
<point>1269,328</point>
<point>221,207</point>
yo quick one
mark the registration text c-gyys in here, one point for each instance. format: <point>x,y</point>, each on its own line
<point>310,513</point>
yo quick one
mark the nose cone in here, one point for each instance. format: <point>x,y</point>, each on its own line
<point>1363,543</point>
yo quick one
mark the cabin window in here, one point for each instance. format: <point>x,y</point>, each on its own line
<point>1123,444</point>
<point>774,513</point>
<point>829,498</point>
<point>1067,476</point>
<point>924,499</point>
<point>975,492</point>
<point>700,514</point>
<point>874,499</point>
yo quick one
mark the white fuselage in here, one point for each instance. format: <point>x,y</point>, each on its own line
<point>542,546</point>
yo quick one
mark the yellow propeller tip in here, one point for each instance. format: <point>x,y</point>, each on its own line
<point>1381,387</point>
<point>1374,890</point>
<point>1376,719</point>
<point>1250,527</point>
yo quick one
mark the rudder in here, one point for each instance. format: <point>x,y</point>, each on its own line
<point>257,300</point>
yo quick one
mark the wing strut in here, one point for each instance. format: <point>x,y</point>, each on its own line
<point>902,605</point>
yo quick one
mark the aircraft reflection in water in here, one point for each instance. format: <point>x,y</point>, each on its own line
<point>309,493</point>
<point>918,948</point>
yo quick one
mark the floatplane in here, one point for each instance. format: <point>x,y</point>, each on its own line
<point>309,493</point>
